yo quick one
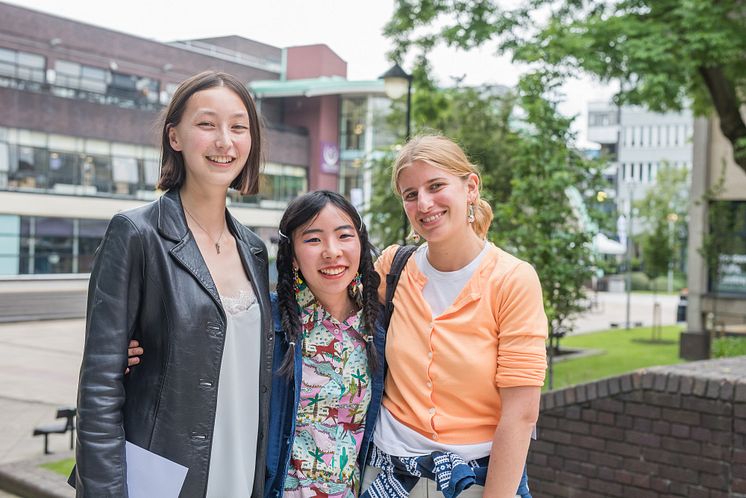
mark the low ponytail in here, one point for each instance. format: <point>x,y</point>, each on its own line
<point>482,218</point>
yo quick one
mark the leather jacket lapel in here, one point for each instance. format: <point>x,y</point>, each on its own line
<point>187,254</point>
<point>172,225</point>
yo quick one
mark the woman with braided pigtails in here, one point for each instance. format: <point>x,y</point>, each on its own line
<point>329,380</point>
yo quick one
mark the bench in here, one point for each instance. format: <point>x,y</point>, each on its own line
<point>60,427</point>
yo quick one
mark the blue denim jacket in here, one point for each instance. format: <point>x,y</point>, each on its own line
<point>284,407</point>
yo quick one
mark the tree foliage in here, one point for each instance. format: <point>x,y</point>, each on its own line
<point>664,53</point>
<point>527,167</point>
<point>663,213</point>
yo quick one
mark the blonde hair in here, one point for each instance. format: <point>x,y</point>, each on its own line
<point>445,154</point>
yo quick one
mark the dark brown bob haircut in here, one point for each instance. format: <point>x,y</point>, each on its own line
<point>173,171</point>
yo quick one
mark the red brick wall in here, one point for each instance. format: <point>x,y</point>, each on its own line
<point>676,431</point>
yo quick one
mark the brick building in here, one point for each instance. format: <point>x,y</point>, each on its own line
<point>79,130</point>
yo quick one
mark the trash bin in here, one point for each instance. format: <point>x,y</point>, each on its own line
<point>681,308</point>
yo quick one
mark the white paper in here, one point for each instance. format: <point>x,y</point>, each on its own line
<point>151,475</point>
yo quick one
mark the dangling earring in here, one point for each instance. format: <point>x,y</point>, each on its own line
<point>356,286</point>
<point>298,284</point>
<point>414,236</point>
<point>470,218</point>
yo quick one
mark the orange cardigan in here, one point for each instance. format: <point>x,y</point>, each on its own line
<point>443,373</point>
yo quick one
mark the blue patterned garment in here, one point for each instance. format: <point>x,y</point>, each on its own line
<point>399,475</point>
<point>452,475</point>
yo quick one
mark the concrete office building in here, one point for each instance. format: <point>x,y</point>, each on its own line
<point>78,129</point>
<point>638,142</point>
<point>717,299</point>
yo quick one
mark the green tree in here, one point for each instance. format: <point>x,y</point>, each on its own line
<point>537,222</point>
<point>663,215</point>
<point>479,119</point>
<point>664,53</point>
<point>528,168</point>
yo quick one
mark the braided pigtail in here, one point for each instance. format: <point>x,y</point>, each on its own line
<point>288,306</point>
<point>372,307</point>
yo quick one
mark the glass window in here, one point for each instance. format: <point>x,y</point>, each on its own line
<point>125,174</point>
<point>53,245</point>
<point>352,126</point>
<point>96,172</point>
<point>28,167</point>
<point>93,79</point>
<point>90,234</point>
<point>31,67</point>
<point>728,232</point>
<point>64,170</point>
<point>7,62</point>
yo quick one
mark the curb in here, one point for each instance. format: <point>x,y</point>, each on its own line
<point>27,479</point>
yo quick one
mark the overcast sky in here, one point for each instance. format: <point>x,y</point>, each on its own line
<point>352,28</point>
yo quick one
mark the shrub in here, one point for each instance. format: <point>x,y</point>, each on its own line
<point>725,347</point>
<point>679,282</point>
<point>640,281</point>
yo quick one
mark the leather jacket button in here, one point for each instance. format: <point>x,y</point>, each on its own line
<point>261,435</point>
<point>204,383</point>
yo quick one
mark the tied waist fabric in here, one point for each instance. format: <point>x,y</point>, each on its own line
<point>399,475</point>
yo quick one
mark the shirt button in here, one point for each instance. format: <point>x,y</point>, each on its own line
<point>435,437</point>
<point>432,411</point>
<point>430,355</point>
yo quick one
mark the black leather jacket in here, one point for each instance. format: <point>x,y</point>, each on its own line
<point>150,283</point>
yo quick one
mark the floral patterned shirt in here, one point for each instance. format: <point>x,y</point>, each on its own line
<point>334,398</point>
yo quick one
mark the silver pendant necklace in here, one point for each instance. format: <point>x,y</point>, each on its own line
<point>216,242</point>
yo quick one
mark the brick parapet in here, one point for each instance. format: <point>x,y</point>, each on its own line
<point>667,431</point>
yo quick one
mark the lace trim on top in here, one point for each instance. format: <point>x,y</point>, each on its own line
<point>242,302</point>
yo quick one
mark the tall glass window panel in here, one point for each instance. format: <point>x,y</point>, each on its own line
<point>10,238</point>
<point>27,242</point>
<point>53,245</point>
<point>4,164</point>
<point>90,234</point>
<point>7,62</point>
<point>64,170</point>
<point>352,126</point>
<point>728,232</point>
<point>125,174</point>
<point>96,172</point>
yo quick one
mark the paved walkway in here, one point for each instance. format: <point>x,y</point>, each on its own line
<point>611,308</point>
<point>39,373</point>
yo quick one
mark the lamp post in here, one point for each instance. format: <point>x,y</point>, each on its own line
<point>397,83</point>
<point>671,218</point>
<point>630,247</point>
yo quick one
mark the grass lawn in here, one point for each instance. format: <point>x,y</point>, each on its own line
<point>61,466</point>
<point>624,351</point>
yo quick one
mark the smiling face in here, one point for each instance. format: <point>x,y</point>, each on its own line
<point>213,136</point>
<point>327,252</point>
<point>436,201</point>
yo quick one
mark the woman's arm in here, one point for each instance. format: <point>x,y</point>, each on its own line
<point>113,304</point>
<point>520,411</point>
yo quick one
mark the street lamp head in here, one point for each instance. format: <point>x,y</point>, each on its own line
<point>396,82</point>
